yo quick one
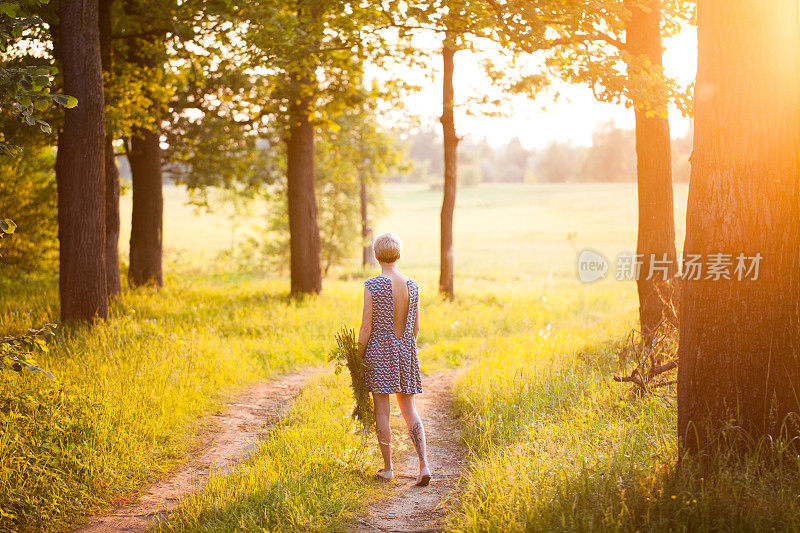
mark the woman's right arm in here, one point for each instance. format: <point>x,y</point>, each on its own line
<point>366,323</point>
<point>416,323</point>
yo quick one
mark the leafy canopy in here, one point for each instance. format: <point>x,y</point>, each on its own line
<point>24,89</point>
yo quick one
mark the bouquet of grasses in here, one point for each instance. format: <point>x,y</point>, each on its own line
<point>346,354</point>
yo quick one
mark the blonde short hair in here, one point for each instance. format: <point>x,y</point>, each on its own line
<point>387,248</point>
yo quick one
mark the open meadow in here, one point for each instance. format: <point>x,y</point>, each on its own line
<point>550,441</point>
<point>503,232</point>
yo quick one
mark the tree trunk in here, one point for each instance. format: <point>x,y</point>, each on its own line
<point>80,168</point>
<point>368,256</point>
<point>450,167</point>
<point>148,209</point>
<point>144,156</point>
<point>304,243</point>
<point>656,237</point>
<point>113,282</point>
<point>739,350</point>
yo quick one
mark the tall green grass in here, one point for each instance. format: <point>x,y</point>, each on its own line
<point>555,445</point>
<point>128,394</point>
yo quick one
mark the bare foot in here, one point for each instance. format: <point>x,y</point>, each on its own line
<point>424,477</point>
<point>385,475</point>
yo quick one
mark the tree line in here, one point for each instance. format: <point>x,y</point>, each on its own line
<point>199,83</point>
<point>610,158</point>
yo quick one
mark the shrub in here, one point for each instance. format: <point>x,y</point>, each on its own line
<point>28,195</point>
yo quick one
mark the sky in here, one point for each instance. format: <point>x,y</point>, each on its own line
<point>572,118</point>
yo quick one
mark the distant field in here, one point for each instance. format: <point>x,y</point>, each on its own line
<point>519,231</point>
<point>503,232</point>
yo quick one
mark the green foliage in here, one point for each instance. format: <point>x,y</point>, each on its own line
<point>48,463</point>
<point>240,94</point>
<point>585,42</point>
<point>355,150</point>
<point>25,89</point>
<point>319,50</point>
<point>17,351</point>
<point>346,355</point>
<point>28,195</point>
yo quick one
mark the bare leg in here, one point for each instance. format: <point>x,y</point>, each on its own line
<point>416,430</point>
<point>384,432</point>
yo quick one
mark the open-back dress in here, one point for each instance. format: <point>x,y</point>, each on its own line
<point>393,360</point>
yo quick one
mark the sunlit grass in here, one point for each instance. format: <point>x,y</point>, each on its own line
<point>135,386</point>
<point>309,474</point>
<point>555,445</point>
<point>510,236</point>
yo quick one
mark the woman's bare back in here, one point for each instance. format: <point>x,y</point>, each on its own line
<point>400,299</point>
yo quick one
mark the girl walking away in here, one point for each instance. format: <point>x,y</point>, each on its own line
<point>388,342</point>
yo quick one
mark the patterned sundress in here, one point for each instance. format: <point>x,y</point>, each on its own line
<point>393,361</point>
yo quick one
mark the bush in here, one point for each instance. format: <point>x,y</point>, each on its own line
<point>28,195</point>
<point>45,431</point>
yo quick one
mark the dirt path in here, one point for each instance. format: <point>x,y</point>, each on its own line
<point>234,434</point>
<point>406,508</point>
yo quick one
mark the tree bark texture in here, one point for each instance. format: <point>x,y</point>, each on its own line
<point>656,231</point>
<point>144,156</point>
<point>446,272</point>
<point>304,240</point>
<point>148,209</point>
<point>80,167</point>
<point>739,350</point>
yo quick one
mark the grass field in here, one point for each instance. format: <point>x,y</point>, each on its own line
<point>503,232</point>
<point>553,444</point>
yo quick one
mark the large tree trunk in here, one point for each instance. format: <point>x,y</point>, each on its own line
<point>148,209</point>
<point>656,238</point>
<point>304,243</point>
<point>80,167</point>
<point>739,350</point>
<point>113,282</point>
<point>450,167</point>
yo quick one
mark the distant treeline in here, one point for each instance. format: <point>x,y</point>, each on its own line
<point>610,158</point>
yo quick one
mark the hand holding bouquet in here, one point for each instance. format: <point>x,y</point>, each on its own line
<point>346,354</point>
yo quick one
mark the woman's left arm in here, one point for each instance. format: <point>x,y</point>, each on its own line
<point>366,323</point>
